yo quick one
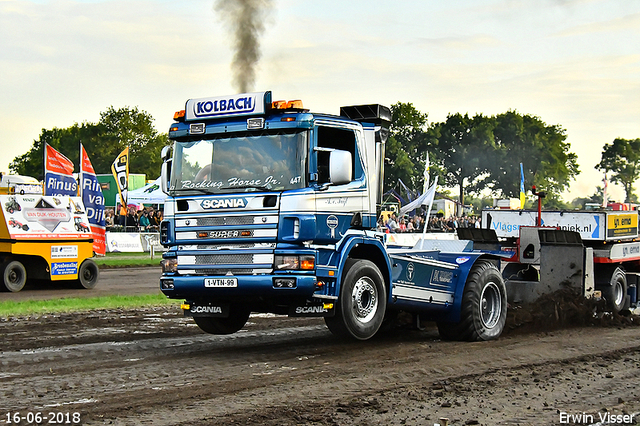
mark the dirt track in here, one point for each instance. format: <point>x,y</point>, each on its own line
<point>154,367</point>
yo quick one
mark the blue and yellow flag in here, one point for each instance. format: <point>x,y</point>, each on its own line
<point>120,170</point>
<point>522,194</point>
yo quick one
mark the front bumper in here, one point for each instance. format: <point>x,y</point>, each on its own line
<point>249,287</point>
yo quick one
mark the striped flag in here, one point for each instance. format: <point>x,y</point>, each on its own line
<point>523,197</point>
<point>58,173</point>
<point>605,195</point>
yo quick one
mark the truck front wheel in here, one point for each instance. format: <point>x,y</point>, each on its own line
<point>238,316</point>
<point>362,303</point>
<point>483,313</point>
<point>14,275</point>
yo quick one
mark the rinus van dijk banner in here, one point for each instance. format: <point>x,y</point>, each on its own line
<point>93,201</point>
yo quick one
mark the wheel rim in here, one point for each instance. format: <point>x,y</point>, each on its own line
<point>14,276</point>
<point>365,299</point>
<point>490,305</point>
<point>88,275</point>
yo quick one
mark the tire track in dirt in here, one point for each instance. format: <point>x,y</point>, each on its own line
<point>292,371</point>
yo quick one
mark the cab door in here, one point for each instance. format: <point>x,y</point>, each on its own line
<point>338,206</point>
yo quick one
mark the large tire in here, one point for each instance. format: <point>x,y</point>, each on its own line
<point>615,293</point>
<point>483,313</point>
<point>14,275</point>
<point>88,274</point>
<point>361,307</point>
<point>238,316</point>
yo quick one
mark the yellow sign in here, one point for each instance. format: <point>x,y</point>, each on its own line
<point>621,225</point>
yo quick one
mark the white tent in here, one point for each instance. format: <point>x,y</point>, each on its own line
<point>148,194</point>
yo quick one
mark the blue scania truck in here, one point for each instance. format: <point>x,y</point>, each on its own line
<point>272,209</point>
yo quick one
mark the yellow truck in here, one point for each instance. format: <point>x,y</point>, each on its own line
<point>43,237</point>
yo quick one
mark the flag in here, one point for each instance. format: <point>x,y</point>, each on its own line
<point>428,200</point>
<point>425,175</point>
<point>120,170</point>
<point>423,200</point>
<point>93,201</point>
<point>605,196</point>
<point>58,173</point>
<point>522,193</point>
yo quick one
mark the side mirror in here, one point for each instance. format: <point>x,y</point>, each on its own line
<point>165,174</point>
<point>340,163</point>
<point>165,154</point>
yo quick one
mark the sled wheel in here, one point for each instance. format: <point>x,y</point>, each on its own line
<point>483,313</point>
<point>361,307</point>
<point>14,275</point>
<point>616,292</point>
<point>88,274</point>
<point>238,316</point>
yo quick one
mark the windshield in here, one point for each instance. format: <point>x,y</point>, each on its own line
<point>241,162</point>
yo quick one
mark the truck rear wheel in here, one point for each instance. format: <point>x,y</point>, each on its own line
<point>238,316</point>
<point>14,275</point>
<point>483,313</point>
<point>88,274</point>
<point>363,300</point>
<point>616,292</point>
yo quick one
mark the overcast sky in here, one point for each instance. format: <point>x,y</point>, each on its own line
<point>575,63</point>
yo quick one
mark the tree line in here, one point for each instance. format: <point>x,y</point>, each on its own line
<point>474,153</point>
<point>471,153</point>
<point>481,152</point>
<point>103,141</point>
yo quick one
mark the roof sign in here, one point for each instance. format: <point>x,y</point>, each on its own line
<point>227,106</point>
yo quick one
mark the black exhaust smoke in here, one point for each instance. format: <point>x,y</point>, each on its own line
<point>246,20</point>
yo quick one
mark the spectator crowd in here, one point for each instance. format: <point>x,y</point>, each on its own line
<point>437,223</point>
<point>148,219</point>
<point>133,219</point>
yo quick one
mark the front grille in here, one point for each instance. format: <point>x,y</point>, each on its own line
<point>224,259</point>
<point>229,246</point>
<point>224,271</point>
<point>221,221</point>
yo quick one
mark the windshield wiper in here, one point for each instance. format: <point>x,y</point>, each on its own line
<point>258,187</point>
<point>200,190</point>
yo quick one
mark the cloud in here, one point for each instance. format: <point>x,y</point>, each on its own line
<point>459,43</point>
<point>619,24</point>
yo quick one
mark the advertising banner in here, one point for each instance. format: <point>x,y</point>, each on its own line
<point>132,242</point>
<point>58,174</point>
<point>44,217</point>
<point>124,242</point>
<point>93,202</point>
<point>597,225</point>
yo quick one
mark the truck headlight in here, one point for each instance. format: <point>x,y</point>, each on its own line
<point>169,265</point>
<point>303,262</point>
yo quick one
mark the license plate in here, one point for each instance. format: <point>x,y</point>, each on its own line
<point>221,282</point>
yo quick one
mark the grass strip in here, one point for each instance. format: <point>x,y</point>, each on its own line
<point>78,304</point>
<point>122,260</point>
